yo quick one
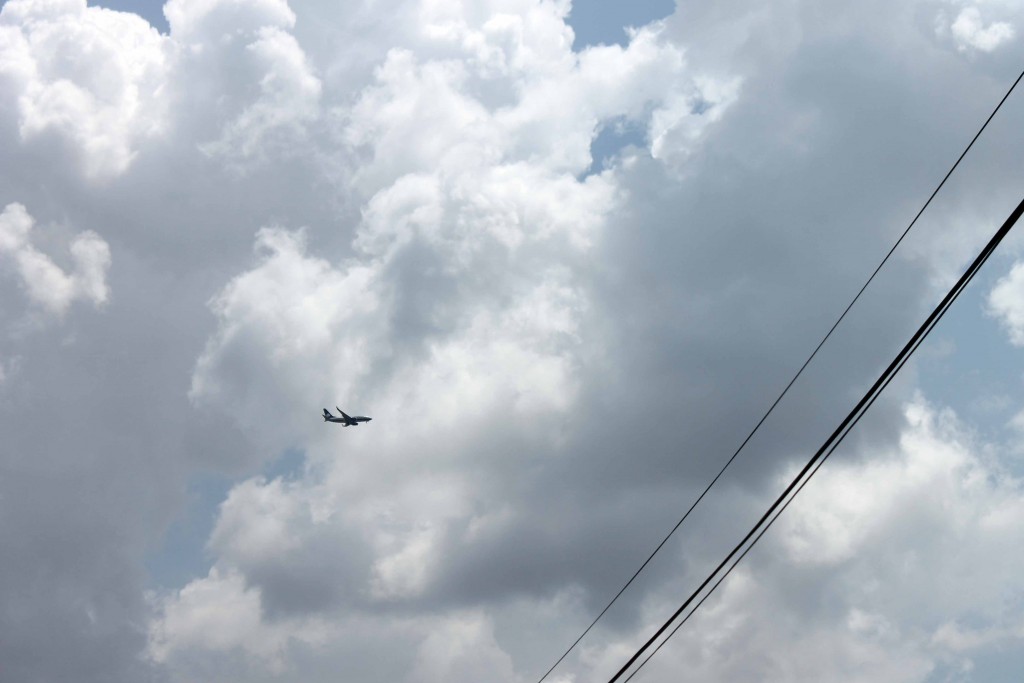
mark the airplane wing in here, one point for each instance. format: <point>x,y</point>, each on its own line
<point>343,414</point>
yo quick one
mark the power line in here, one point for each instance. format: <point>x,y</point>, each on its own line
<point>790,384</point>
<point>762,532</point>
<point>802,484</point>
<point>840,432</point>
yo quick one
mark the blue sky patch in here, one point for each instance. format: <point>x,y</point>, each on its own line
<point>611,138</point>
<point>604,22</point>
<point>150,10</point>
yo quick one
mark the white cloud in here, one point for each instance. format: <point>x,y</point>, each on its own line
<point>219,616</point>
<point>244,89</point>
<point>678,126</point>
<point>530,100</point>
<point>489,195</point>
<point>938,475</point>
<point>106,83</point>
<point>462,648</point>
<point>1006,303</point>
<point>254,522</point>
<point>553,357</point>
<point>221,613</point>
<point>44,282</point>
<point>464,308</point>
<point>91,76</point>
<point>896,567</point>
<point>205,23</point>
<point>971,33</point>
<point>406,572</point>
<point>286,312</point>
<point>288,99</point>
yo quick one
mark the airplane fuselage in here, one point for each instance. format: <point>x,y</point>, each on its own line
<point>353,422</point>
<point>345,420</point>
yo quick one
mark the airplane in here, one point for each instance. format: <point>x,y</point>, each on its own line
<point>345,420</point>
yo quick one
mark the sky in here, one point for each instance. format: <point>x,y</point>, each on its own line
<point>565,255</point>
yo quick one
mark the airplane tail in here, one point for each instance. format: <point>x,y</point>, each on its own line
<point>326,415</point>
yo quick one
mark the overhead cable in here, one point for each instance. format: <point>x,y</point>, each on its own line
<point>838,435</point>
<point>785,390</point>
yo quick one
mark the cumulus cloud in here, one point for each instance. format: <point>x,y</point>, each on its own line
<point>92,77</point>
<point>287,310</point>
<point>1006,303</point>
<point>105,83</point>
<point>288,94</point>
<point>678,124</point>
<point>875,571</point>
<point>552,105</point>
<point>221,613</point>
<point>486,212</point>
<point>970,32</point>
<point>44,282</point>
<point>940,473</point>
<point>462,648</point>
<point>465,304</point>
<point>287,100</point>
<point>554,357</point>
<point>205,23</point>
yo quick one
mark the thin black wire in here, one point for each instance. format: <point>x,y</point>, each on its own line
<point>790,384</point>
<point>747,550</point>
<point>847,424</point>
<point>777,514</point>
